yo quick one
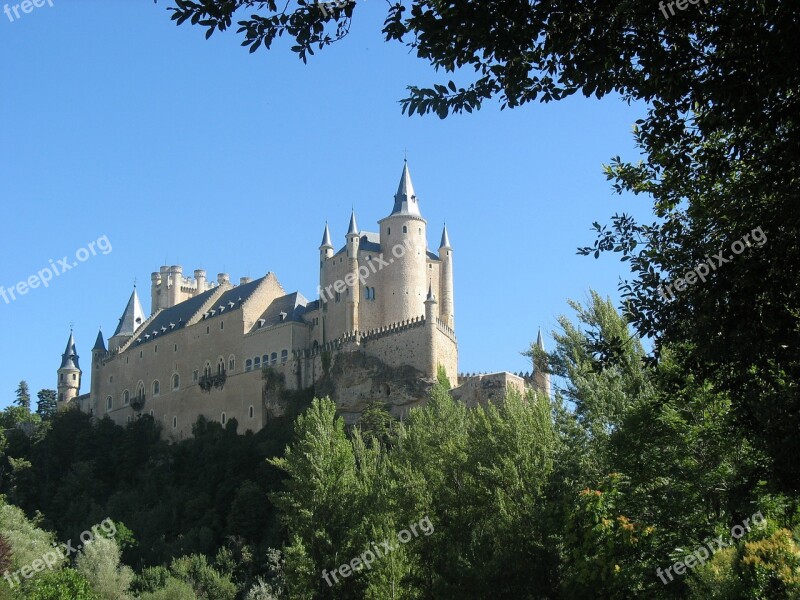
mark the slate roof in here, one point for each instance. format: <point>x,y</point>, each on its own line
<point>132,317</point>
<point>69,360</point>
<point>293,305</point>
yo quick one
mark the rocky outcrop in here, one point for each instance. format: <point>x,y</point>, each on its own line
<point>355,379</point>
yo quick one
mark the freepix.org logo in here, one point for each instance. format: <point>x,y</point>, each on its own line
<point>44,276</point>
<point>26,6</point>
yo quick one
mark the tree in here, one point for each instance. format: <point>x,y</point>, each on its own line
<point>721,145</point>
<point>99,563</point>
<point>66,584</point>
<point>23,395</point>
<point>46,406</point>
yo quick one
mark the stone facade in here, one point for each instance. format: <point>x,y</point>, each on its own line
<point>381,328</point>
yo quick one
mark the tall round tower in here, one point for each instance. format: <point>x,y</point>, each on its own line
<point>404,246</point>
<point>446,281</point>
<point>353,291</point>
<point>69,375</point>
<point>325,252</point>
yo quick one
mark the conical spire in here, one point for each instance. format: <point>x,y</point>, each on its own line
<point>69,360</point>
<point>326,237</point>
<point>99,343</point>
<point>353,229</point>
<point>539,340</point>
<point>431,297</point>
<point>445,243</point>
<point>133,316</point>
<point>405,200</point>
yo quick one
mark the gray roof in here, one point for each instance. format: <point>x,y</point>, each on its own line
<point>233,299</point>
<point>290,307</point>
<point>369,241</point>
<point>405,200</point>
<point>173,318</point>
<point>99,344</point>
<point>352,228</point>
<point>133,316</point>
<point>69,360</point>
<point>326,238</point>
<point>445,243</point>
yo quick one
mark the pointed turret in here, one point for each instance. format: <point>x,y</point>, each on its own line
<point>69,360</point>
<point>541,377</point>
<point>69,374</point>
<point>446,310</point>
<point>405,200</point>
<point>132,318</point>
<point>353,228</point>
<point>404,236</point>
<point>99,343</point>
<point>445,243</point>
<point>431,297</point>
<point>326,238</point>
<point>353,293</point>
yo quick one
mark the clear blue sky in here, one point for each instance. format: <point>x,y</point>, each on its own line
<point>183,151</point>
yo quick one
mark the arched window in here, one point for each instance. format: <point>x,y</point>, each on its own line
<point>152,413</point>
<point>405,229</point>
<point>156,388</point>
<point>176,381</point>
<point>126,398</point>
<point>195,375</point>
<point>223,418</point>
<point>207,370</point>
<point>265,360</point>
<point>109,403</point>
<point>257,362</point>
<point>231,363</point>
<point>284,355</point>
<point>248,365</point>
<point>250,411</point>
<point>220,366</point>
<point>140,390</point>
<point>274,358</point>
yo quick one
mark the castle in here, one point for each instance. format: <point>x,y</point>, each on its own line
<point>382,328</point>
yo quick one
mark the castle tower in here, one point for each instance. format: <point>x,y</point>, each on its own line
<point>447,313</point>
<point>430,327</point>
<point>353,290</point>
<point>541,378</point>
<point>325,252</point>
<point>132,318</point>
<point>404,245</point>
<point>99,352</point>
<point>69,375</point>
<point>175,280</point>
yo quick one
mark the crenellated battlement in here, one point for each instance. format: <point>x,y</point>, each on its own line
<point>392,329</point>
<point>445,329</point>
